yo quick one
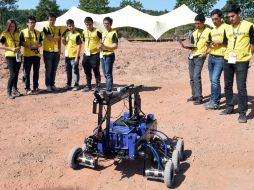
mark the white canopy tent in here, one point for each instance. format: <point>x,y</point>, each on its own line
<point>130,17</point>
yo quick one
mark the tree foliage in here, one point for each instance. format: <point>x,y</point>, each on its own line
<point>135,4</point>
<point>198,6</point>
<point>7,9</point>
<point>247,7</point>
<point>45,7</point>
<point>92,6</point>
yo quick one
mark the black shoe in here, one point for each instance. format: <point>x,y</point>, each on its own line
<point>198,102</point>
<point>87,88</point>
<point>9,95</point>
<point>228,110</point>
<point>191,99</point>
<point>15,92</point>
<point>242,118</point>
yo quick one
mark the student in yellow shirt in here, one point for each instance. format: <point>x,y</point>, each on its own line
<point>240,47</point>
<point>9,41</point>
<point>91,59</point>
<point>31,39</point>
<point>108,44</point>
<point>216,57</point>
<point>197,57</point>
<point>72,41</point>
<point>51,51</point>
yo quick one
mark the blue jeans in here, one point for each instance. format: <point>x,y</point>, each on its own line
<point>28,63</point>
<point>215,68</point>
<point>240,69</point>
<point>195,68</point>
<point>107,68</point>
<point>70,64</point>
<point>51,60</point>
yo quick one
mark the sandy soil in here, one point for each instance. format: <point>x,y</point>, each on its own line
<point>38,131</point>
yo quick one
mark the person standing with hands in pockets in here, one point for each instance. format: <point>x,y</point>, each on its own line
<point>51,51</point>
<point>240,48</point>
<point>9,41</point>
<point>108,44</point>
<point>72,41</point>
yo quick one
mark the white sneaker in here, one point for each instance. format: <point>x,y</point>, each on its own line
<point>49,89</point>
<point>75,88</point>
<point>54,88</point>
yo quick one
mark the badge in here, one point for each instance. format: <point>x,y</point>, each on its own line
<point>87,52</point>
<point>232,58</point>
<point>191,54</point>
<point>66,53</point>
<point>18,57</point>
<point>101,54</point>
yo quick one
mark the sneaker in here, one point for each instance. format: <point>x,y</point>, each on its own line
<point>86,88</point>
<point>75,88</point>
<point>242,118</point>
<point>54,88</point>
<point>15,92</point>
<point>211,106</point>
<point>198,102</point>
<point>67,87</point>
<point>36,91</point>
<point>49,89</point>
<point>28,91</point>
<point>228,110</point>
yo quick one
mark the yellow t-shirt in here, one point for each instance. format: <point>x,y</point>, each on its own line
<point>108,38</point>
<point>239,41</point>
<point>218,34</point>
<point>28,39</point>
<point>92,39</point>
<point>199,39</point>
<point>10,41</point>
<point>51,45</point>
<point>72,42</point>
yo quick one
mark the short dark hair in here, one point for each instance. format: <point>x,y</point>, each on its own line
<point>233,8</point>
<point>51,15</point>
<point>200,17</point>
<point>30,17</point>
<point>216,12</point>
<point>110,20</point>
<point>69,21</point>
<point>88,19</point>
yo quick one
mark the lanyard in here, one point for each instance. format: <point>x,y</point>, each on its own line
<point>105,37</point>
<point>89,37</point>
<point>52,31</point>
<point>30,36</point>
<point>198,37</point>
<point>235,34</point>
<point>13,39</point>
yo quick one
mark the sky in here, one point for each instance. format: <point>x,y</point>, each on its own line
<point>147,4</point>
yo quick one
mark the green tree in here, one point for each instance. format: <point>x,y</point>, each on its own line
<point>92,6</point>
<point>247,7</point>
<point>198,6</point>
<point>7,8</point>
<point>45,7</point>
<point>136,4</point>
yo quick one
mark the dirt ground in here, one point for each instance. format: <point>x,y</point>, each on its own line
<point>38,131</point>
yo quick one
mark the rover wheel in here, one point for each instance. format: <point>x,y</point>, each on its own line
<point>72,157</point>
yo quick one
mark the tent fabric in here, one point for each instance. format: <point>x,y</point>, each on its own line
<point>156,26</point>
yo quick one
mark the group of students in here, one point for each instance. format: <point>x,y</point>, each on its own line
<point>98,50</point>
<point>230,48</point>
